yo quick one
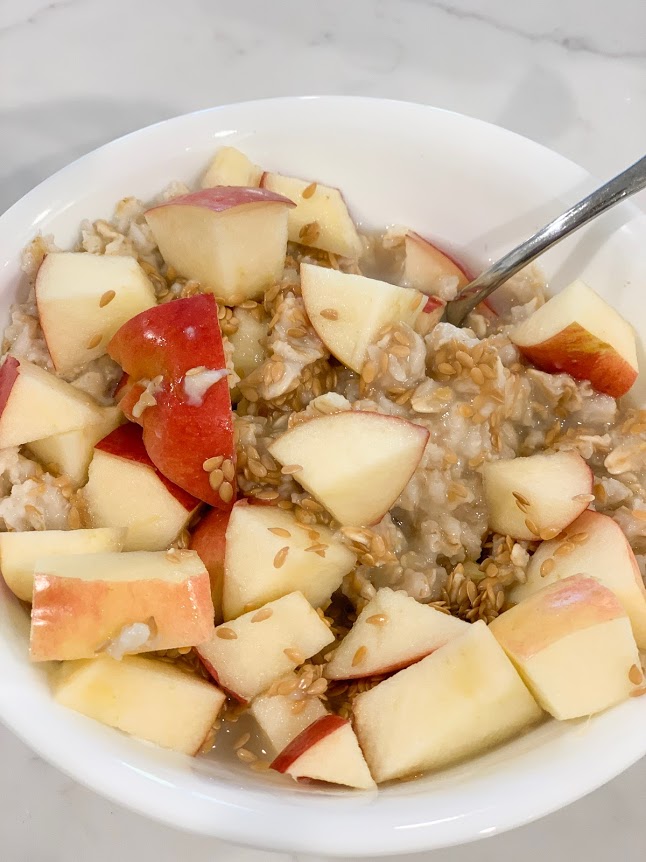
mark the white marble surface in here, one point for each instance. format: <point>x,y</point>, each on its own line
<point>76,73</point>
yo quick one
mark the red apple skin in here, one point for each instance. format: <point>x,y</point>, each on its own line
<point>126,442</point>
<point>8,375</point>
<point>169,340</point>
<point>208,539</point>
<point>391,669</point>
<point>208,667</point>
<point>432,304</point>
<point>222,198</point>
<point>130,395</point>
<point>577,352</point>
<point>122,387</point>
<point>461,272</point>
<point>318,730</point>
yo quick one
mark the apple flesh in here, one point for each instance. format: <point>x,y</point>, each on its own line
<point>327,751</point>
<point>230,167</point>
<point>70,454</point>
<point>279,721</point>
<point>355,464</point>
<point>36,404</point>
<point>463,699</point>
<point>19,552</point>
<point>578,333</point>
<point>188,424</point>
<point>572,643</point>
<point>82,301</point>
<point>125,490</point>
<point>536,496</point>
<point>428,269</point>
<point>208,540</point>
<point>391,632</point>
<point>145,698</point>
<point>232,240</point>
<point>249,339</point>
<point>595,545</point>
<point>349,311</point>
<point>322,206</point>
<point>255,536</point>
<point>82,603</point>
<point>249,653</point>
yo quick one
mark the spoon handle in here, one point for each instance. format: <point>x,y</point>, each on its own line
<point>622,186</point>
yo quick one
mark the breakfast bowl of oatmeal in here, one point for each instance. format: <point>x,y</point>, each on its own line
<point>286,558</point>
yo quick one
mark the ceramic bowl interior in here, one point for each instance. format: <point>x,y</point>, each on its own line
<point>477,189</point>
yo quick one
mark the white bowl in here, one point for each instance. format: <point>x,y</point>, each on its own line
<point>475,187</point>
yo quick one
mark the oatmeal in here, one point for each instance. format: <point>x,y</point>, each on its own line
<point>305,495</point>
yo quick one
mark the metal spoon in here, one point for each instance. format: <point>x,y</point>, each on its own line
<point>622,186</point>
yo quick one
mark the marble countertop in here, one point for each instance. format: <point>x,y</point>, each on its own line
<point>76,73</point>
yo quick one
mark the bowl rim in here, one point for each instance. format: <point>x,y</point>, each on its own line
<point>244,816</point>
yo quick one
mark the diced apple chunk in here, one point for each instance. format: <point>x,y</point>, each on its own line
<point>70,453</point>
<point>320,207</point>
<point>595,545</point>
<point>355,464</point>
<point>230,167</point>
<point>281,717</point>
<point>176,350</point>
<point>209,541</point>
<point>349,311</point>
<point>36,404</point>
<point>20,551</point>
<point>249,653</point>
<point>269,554</point>
<point>84,603</point>
<point>83,299</point>
<point>248,342</point>
<point>538,496</point>
<point>231,239</point>
<point>573,645</point>
<point>126,490</point>
<point>143,697</point>
<point>327,751</point>
<point>579,333</point>
<point>462,699</point>
<point>428,269</point>
<point>391,632</point>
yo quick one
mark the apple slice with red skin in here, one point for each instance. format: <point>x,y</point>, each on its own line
<point>391,632</point>
<point>460,700</point>
<point>122,387</point>
<point>246,655</point>
<point>126,490</point>
<point>598,547</point>
<point>275,715</point>
<point>82,603</point>
<point>426,267</point>
<point>349,311</point>
<point>573,645</point>
<point>355,463</point>
<point>231,239</point>
<point>209,540</point>
<point>577,332</point>
<point>543,492</point>
<point>181,431</point>
<point>327,751</point>
<point>36,404</point>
